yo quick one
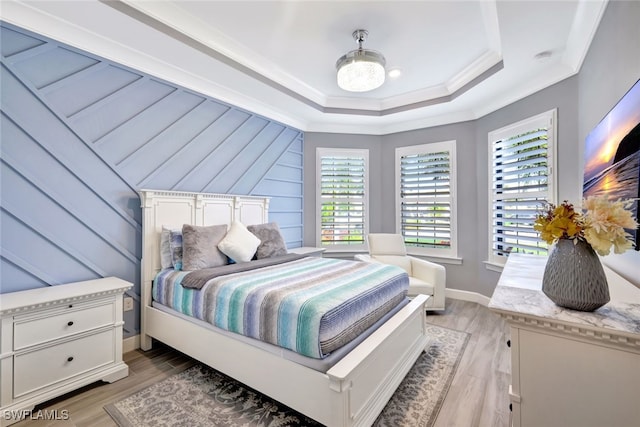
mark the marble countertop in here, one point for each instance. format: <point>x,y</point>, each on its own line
<point>519,292</point>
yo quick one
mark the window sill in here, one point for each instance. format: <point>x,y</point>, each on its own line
<point>492,266</point>
<point>347,253</point>
<point>329,250</point>
<point>438,259</point>
<point>353,251</point>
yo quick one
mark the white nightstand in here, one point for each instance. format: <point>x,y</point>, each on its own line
<point>56,339</point>
<point>308,250</point>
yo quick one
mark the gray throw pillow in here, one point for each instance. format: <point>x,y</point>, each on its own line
<point>166,255</point>
<point>271,242</point>
<point>175,247</point>
<point>200,246</point>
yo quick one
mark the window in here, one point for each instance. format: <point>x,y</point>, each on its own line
<point>426,198</point>
<point>521,165</point>
<point>342,197</point>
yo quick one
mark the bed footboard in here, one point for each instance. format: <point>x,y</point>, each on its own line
<point>352,393</point>
<point>368,376</point>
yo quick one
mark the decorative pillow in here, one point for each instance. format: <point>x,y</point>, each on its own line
<point>165,248</point>
<point>239,243</point>
<point>272,244</point>
<point>175,245</point>
<point>200,246</point>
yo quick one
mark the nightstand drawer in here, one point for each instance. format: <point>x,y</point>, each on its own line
<point>41,368</point>
<point>57,339</point>
<point>49,327</point>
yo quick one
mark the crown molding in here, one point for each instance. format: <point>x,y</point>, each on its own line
<point>243,86</point>
<point>584,28</point>
<point>171,21</point>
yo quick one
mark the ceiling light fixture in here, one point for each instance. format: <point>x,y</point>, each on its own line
<point>361,70</point>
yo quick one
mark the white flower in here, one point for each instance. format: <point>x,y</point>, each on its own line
<point>605,222</point>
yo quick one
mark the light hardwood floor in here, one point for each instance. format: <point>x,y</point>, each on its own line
<point>478,395</point>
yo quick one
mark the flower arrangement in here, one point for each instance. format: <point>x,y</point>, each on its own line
<point>601,224</point>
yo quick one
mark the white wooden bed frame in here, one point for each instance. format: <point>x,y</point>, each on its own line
<point>351,393</point>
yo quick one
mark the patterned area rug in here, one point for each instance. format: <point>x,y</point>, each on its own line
<point>201,396</point>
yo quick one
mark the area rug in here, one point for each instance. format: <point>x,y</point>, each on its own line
<point>201,396</point>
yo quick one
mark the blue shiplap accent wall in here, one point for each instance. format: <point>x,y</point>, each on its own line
<point>81,135</point>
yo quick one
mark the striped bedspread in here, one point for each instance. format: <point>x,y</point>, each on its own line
<point>312,306</point>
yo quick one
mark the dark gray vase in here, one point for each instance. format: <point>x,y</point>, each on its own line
<point>574,278</point>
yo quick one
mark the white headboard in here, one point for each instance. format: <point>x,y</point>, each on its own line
<point>175,208</point>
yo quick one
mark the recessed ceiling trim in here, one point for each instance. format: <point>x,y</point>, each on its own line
<point>476,72</point>
<point>197,29</point>
<point>478,79</point>
<point>371,108</point>
<point>103,30</point>
<point>169,31</point>
<point>489,10</point>
<point>585,25</point>
<point>477,68</point>
<point>420,104</point>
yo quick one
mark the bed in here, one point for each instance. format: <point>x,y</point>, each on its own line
<point>351,392</point>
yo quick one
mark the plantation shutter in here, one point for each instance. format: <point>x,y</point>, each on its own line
<point>343,199</point>
<point>426,197</point>
<point>521,164</point>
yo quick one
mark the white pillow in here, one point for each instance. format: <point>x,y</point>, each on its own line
<point>239,244</point>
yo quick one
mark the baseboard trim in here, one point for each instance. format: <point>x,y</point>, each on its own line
<point>131,343</point>
<point>467,296</point>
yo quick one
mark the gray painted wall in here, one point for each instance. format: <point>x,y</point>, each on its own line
<point>609,70</point>
<point>458,276</point>
<point>561,96</point>
<point>472,175</point>
<point>80,137</point>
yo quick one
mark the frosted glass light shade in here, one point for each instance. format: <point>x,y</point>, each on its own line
<point>361,70</point>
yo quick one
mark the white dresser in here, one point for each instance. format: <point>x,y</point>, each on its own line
<point>570,368</point>
<point>56,339</point>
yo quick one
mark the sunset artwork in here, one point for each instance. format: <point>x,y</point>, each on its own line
<point>612,154</point>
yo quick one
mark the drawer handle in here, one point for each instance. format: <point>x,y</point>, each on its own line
<point>70,305</point>
<point>70,323</point>
<point>509,343</point>
<point>70,359</point>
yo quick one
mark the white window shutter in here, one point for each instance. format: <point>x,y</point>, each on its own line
<point>343,213</point>
<point>521,181</point>
<point>426,208</point>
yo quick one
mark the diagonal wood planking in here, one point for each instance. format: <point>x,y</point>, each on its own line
<point>81,135</point>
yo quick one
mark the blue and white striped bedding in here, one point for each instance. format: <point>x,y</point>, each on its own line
<point>312,306</point>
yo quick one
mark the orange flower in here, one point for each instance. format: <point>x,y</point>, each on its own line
<point>558,222</point>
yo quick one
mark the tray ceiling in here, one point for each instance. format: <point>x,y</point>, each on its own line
<point>459,60</point>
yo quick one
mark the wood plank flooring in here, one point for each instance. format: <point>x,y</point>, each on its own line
<point>478,395</point>
<point>479,392</point>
